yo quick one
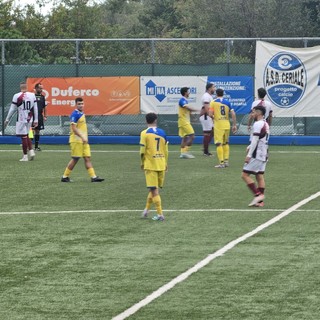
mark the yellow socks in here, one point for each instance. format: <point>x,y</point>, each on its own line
<point>157,202</point>
<point>91,172</point>
<point>149,201</point>
<point>226,152</point>
<point>220,154</point>
<point>67,172</point>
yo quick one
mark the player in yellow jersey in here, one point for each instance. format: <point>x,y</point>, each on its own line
<point>79,145</point>
<point>154,162</point>
<point>220,109</point>
<point>186,131</point>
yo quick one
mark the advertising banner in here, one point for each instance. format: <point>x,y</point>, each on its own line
<point>102,95</point>
<point>238,90</point>
<point>162,94</point>
<point>291,77</point>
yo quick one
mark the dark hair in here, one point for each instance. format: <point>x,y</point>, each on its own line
<point>209,85</point>
<point>260,108</point>
<point>37,85</point>
<point>219,92</point>
<point>184,90</point>
<point>151,117</point>
<point>262,92</point>
<point>78,99</point>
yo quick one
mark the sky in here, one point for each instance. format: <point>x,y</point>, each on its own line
<point>47,8</point>
<point>22,3</point>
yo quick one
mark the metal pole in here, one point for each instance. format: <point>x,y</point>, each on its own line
<point>3,56</point>
<point>77,57</point>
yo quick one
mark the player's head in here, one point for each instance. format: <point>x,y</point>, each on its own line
<point>151,117</point>
<point>185,91</point>
<point>23,86</point>
<point>79,103</point>
<point>219,92</point>
<point>262,93</point>
<point>259,110</point>
<point>38,87</point>
<point>210,87</point>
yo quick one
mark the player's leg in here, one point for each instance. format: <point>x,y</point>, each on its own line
<point>36,139</point>
<point>148,205</point>
<point>86,153</point>
<point>24,144</point>
<point>37,132</point>
<point>261,185</point>
<point>76,153</point>
<point>207,136</point>
<point>252,168</point>
<point>156,199</point>
<point>218,139</point>
<point>226,148</point>
<point>186,132</point>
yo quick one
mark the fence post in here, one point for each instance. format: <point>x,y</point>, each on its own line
<point>153,52</point>
<point>77,57</point>
<point>229,43</point>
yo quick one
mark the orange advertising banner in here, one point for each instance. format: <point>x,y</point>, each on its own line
<point>101,95</point>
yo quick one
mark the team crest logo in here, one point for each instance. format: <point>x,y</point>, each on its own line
<point>285,79</point>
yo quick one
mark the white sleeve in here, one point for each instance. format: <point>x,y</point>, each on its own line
<point>253,145</point>
<point>12,110</point>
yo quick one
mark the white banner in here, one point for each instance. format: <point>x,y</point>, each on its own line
<point>162,94</point>
<point>291,77</point>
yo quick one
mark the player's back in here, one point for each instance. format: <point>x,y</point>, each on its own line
<point>25,102</point>
<point>155,142</point>
<point>221,109</point>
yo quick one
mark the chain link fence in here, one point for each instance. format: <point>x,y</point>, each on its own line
<point>22,58</point>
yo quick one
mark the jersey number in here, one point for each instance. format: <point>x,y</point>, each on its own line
<point>158,143</point>
<point>222,110</point>
<point>26,105</point>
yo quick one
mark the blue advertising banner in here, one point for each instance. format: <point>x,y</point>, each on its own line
<point>238,90</point>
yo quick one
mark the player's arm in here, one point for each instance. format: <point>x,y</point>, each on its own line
<point>45,114</point>
<point>270,118</point>
<point>190,108</point>
<point>205,108</point>
<point>35,113</point>
<point>12,110</point>
<point>252,147</point>
<point>142,149</point>
<point>142,153</point>
<point>234,121</point>
<point>166,154</point>
<point>250,120</point>
<point>78,133</point>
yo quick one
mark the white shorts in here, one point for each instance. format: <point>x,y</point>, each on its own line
<point>22,128</point>
<point>207,125</point>
<point>254,166</point>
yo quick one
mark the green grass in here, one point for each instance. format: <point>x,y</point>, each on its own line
<point>70,258</point>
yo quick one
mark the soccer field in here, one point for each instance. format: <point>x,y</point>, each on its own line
<point>81,251</point>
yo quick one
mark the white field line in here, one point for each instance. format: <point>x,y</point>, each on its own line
<point>156,294</point>
<point>139,210</point>
<point>171,151</point>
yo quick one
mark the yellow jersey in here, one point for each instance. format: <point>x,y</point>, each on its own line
<point>183,113</point>
<point>221,109</point>
<point>154,149</point>
<point>78,118</point>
